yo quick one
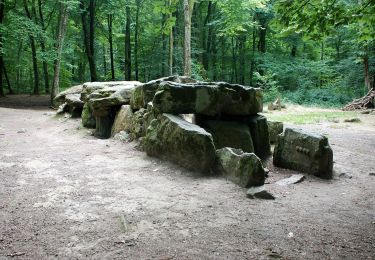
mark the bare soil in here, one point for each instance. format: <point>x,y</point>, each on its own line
<point>66,195</point>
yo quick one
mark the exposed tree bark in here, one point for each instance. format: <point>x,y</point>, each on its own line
<point>88,36</point>
<point>110,39</point>
<point>127,45</point>
<point>43,47</point>
<point>2,14</point>
<point>63,20</point>
<point>188,11</point>
<point>33,52</point>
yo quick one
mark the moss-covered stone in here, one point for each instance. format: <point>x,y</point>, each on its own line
<point>275,128</point>
<point>181,142</point>
<point>244,169</point>
<point>304,151</point>
<point>229,134</point>
<point>209,99</point>
<point>88,120</point>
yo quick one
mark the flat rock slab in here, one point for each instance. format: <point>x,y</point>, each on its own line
<point>90,87</point>
<point>60,98</point>
<point>294,179</point>
<point>144,93</point>
<point>210,99</point>
<point>259,192</point>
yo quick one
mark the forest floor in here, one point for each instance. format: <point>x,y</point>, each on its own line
<point>65,194</point>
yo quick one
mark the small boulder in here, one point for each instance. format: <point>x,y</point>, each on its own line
<point>303,151</point>
<point>259,192</point>
<point>244,169</point>
<point>275,128</point>
<point>181,142</point>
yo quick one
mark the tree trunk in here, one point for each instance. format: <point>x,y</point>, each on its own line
<point>164,43</point>
<point>88,36</point>
<point>241,57</point>
<point>2,14</point>
<point>104,62</point>
<point>136,40</point>
<point>63,19</point>
<point>207,32</point>
<point>171,45</point>
<point>43,47</point>
<point>6,77</point>
<point>110,39</point>
<point>33,52</point>
<point>252,66</point>
<point>127,45</point>
<point>366,71</point>
<point>188,11</point>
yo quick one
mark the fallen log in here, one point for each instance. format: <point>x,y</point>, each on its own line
<point>365,102</point>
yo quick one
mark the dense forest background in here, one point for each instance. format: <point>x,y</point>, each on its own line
<point>309,51</point>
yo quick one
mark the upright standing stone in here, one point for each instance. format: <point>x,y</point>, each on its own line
<point>303,151</point>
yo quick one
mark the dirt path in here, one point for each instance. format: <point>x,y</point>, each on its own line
<point>67,195</point>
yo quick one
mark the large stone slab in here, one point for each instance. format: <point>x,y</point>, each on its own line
<point>90,87</point>
<point>260,134</point>
<point>172,138</point>
<point>229,134</point>
<point>303,151</point>
<point>143,94</point>
<point>244,169</point>
<point>209,99</point>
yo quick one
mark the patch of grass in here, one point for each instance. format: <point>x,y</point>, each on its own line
<point>310,117</point>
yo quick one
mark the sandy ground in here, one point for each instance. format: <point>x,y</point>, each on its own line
<point>66,195</point>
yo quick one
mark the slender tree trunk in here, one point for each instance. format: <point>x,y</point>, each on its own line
<point>136,40</point>
<point>63,19</point>
<point>110,39</point>
<point>241,57</point>
<point>6,77</point>
<point>252,66</point>
<point>88,36</point>
<point>127,45</point>
<point>43,47</point>
<point>171,45</point>
<point>188,11</point>
<point>207,37</point>
<point>164,43</point>
<point>104,62</point>
<point>366,71</point>
<point>2,14</point>
<point>33,52</point>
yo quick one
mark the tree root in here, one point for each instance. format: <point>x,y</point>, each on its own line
<point>365,102</point>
